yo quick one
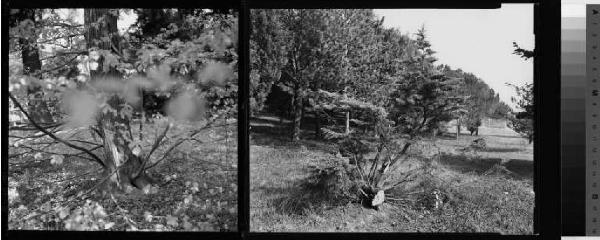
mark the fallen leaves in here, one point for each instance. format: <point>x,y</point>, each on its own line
<point>148,216</point>
<point>57,159</point>
<point>109,225</point>
<point>63,212</point>
<point>172,221</point>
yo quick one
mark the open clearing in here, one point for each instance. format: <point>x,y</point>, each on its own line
<point>491,190</point>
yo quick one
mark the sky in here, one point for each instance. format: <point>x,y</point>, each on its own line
<point>475,40</point>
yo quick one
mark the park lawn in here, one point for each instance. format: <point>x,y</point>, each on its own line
<point>198,188</point>
<point>492,191</point>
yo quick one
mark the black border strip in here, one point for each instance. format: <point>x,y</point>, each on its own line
<point>243,123</point>
<point>547,116</point>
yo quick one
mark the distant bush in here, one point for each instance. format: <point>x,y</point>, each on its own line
<point>478,144</point>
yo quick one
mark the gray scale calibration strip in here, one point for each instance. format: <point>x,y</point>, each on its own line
<point>592,120</point>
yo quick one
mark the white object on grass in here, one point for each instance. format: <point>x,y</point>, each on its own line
<point>378,199</point>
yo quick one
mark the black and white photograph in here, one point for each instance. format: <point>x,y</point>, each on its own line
<point>392,120</point>
<point>122,120</point>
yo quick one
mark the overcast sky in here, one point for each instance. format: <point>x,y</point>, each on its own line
<point>477,41</point>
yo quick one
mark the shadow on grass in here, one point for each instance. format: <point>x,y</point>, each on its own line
<point>504,136</point>
<point>513,168</point>
<point>500,150</point>
<point>521,167</point>
<point>300,200</point>
<point>452,135</point>
<point>269,131</point>
<point>447,136</point>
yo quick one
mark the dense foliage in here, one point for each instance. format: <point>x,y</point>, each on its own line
<point>83,89</point>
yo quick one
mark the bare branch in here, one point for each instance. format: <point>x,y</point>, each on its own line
<point>57,67</point>
<point>157,141</point>
<point>60,37</point>
<point>182,140</point>
<point>154,147</point>
<point>18,105</point>
<point>60,24</point>
<point>58,153</point>
<point>31,128</point>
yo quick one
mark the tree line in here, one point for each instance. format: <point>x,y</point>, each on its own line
<point>296,52</point>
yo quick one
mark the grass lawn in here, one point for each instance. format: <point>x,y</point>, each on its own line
<point>490,190</point>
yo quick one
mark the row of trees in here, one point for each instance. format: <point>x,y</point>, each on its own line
<point>97,80</point>
<point>302,51</point>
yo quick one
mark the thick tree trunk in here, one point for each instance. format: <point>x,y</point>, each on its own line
<point>37,107</point>
<point>297,114</point>
<point>122,165</point>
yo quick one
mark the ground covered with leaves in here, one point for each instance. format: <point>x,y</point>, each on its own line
<point>196,189</point>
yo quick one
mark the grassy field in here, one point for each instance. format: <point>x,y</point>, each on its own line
<point>490,190</point>
<point>197,188</point>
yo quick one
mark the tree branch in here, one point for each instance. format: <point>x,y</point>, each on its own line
<point>154,147</point>
<point>18,105</point>
<point>182,140</point>
<point>27,128</point>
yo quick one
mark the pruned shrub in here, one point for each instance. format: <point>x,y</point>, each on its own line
<point>478,144</point>
<point>499,170</point>
<point>332,179</point>
<point>329,183</point>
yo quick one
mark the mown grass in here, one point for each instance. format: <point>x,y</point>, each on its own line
<point>485,195</point>
<point>197,182</point>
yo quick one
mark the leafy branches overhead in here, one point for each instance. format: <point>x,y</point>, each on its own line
<point>191,64</point>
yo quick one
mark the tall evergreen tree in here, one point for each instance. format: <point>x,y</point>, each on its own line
<point>268,54</point>
<point>424,97</point>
